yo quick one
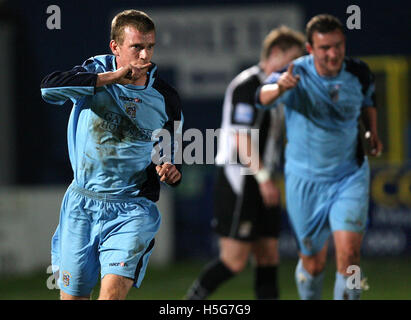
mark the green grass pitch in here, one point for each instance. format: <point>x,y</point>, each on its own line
<point>388,278</point>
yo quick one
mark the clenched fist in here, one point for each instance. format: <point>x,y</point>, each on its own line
<point>168,173</point>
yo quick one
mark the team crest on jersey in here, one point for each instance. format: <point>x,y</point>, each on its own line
<point>66,276</point>
<point>334,92</point>
<point>130,109</point>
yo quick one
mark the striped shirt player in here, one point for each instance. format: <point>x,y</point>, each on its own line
<point>239,211</point>
<point>108,217</point>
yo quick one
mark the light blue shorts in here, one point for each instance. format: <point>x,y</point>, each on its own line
<point>102,233</point>
<point>317,208</point>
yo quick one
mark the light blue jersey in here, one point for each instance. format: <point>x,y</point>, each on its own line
<point>326,172</point>
<point>110,128</point>
<point>321,117</point>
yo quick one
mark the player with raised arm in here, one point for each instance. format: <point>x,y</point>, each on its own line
<point>247,212</point>
<point>108,217</point>
<point>325,94</point>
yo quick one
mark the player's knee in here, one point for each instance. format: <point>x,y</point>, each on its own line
<point>314,266</point>
<point>114,287</point>
<point>110,295</point>
<point>235,264</point>
<point>265,252</point>
<point>66,296</point>
<point>267,258</point>
<point>113,293</point>
<point>235,260</point>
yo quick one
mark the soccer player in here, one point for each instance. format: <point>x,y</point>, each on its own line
<point>247,208</point>
<point>327,174</point>
<point>108,217</point>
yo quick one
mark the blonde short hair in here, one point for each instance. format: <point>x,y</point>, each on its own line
<point>137,19</point>
<point>282,37</point>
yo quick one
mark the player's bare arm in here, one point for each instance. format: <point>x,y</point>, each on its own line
<point>270,92</point>
<point>369,117</point>
<point>168,173</point>
<point>268,190</point>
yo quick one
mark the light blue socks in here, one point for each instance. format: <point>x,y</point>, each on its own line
<point>341,292</point>
<point>309,287</point>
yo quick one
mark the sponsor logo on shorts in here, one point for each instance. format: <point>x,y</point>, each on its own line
<point>355,222</point>
<point>308,243</point>
<point>245,229</point>
<point>66,276</point>
<point>118,264</point>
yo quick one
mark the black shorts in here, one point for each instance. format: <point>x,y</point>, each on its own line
<point>244,216</point>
